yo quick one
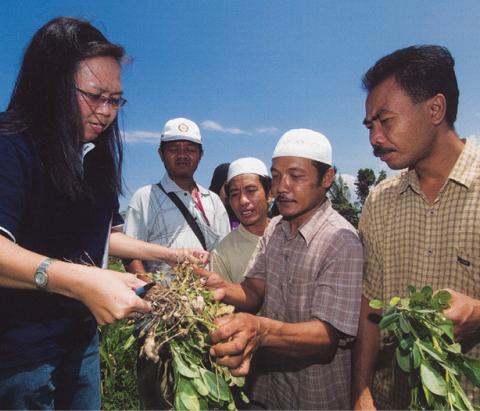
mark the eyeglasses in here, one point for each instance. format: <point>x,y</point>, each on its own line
<point>100,100</point>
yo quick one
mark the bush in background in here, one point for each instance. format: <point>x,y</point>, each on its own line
<point>118,366</point>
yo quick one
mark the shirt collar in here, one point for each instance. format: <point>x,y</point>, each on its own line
<point>170,186</point>
<point>464,172</point>
<point>466,167</point>
<point>310,227</point>
<point>86,148</point>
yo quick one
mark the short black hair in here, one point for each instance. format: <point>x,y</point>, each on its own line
<point>265,181</point>
<point>321,169</point>
<point>422,71</point>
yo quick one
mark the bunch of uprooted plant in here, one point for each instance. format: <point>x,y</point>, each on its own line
<point>425,349</point>
<point>176,333</point>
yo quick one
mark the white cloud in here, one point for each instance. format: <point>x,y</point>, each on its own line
<point>213,125</point>
<point>153,137</point>
<point>266,130</point>
<point>350,182</point>
<point>142,136</point>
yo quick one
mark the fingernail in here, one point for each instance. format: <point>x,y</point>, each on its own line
<point>212,352</point>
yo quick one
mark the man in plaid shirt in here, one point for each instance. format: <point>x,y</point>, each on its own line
<point>306,277</point>
<point>421,227</point>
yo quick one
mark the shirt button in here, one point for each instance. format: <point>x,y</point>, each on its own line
<point>431,211</point>
<point>429,252</point>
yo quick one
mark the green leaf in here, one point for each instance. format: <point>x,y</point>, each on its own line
<point>244,398</point>
<point>462,400</point>
<point>388,320</point>
<point>131,339</point>
<point>441,300</point>
<point>416,356</point>
<point>454,348</point>
<point>406,343</point>
<point>411,289</point>
<point>471,370</point>
<point>447,328</point>
<point>394,301</point>
<point>417,297</point>
<point>200,386</point>
<point>187,395</point>
<point>217,387</point>
<point>376,304</point>
<point>231,406</point>
<point>432,379</point>
<point>427,292</point>
<point>403,360</point>
<point>237,381</point>
<point>429,397</point>
<point>428,348</point>
<point>181,367</point>
<point>404,324</point>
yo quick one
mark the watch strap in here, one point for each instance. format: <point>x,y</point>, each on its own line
<point>41,272</point>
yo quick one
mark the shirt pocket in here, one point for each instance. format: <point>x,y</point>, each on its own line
<point>467,281</point>
<point>298,299</point>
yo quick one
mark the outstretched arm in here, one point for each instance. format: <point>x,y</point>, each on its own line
<point>123,246</point>
<point>244,333</point>
<point>109,295</point>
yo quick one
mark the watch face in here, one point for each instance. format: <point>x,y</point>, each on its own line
<point>41,279</point>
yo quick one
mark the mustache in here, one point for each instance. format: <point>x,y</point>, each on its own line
<point>379,150</point>
<point>282,197</point>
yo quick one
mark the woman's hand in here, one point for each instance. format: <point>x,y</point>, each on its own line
<point>192,255</point>
<point>110,295</point>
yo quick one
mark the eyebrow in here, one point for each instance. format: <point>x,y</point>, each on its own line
<point>101,90</point>
<point>375,117</point>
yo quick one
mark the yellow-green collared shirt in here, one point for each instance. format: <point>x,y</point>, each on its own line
<point>408,240</point>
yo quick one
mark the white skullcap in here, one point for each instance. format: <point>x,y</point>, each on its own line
<point>247,165</point>
<point>181,129</point>
<point>302,142</point>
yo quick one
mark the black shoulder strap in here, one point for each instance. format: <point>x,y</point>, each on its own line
<point>188,217</point>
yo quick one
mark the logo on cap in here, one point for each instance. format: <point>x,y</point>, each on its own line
<point>183,127</point>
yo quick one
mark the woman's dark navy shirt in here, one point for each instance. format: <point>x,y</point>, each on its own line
<point>34,324</point>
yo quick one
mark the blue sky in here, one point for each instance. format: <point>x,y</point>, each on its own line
<point>247,71</point>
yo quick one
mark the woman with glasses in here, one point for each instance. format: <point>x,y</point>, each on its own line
<point>60,177</point>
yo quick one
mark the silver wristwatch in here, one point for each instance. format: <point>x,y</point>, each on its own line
<point>41,277</point>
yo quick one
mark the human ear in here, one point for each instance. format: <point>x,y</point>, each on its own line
<point>328,178</point>
<point>437,106</point>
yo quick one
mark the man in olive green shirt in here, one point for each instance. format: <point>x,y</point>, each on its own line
<point>248,191</point>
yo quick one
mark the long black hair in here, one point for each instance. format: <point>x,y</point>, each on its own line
<point>44,103</point>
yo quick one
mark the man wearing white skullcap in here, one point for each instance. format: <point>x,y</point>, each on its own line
<point>306,277</point>
<point>153,216</point>
<point>248,192</point>
<point>176,212</point>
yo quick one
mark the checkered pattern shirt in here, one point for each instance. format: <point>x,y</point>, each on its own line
<point>315,273</point>
<point>408,240</point>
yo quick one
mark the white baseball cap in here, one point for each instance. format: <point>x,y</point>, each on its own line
<point>181,129</point>
<point>247,165</point>
<point>302,142</point>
